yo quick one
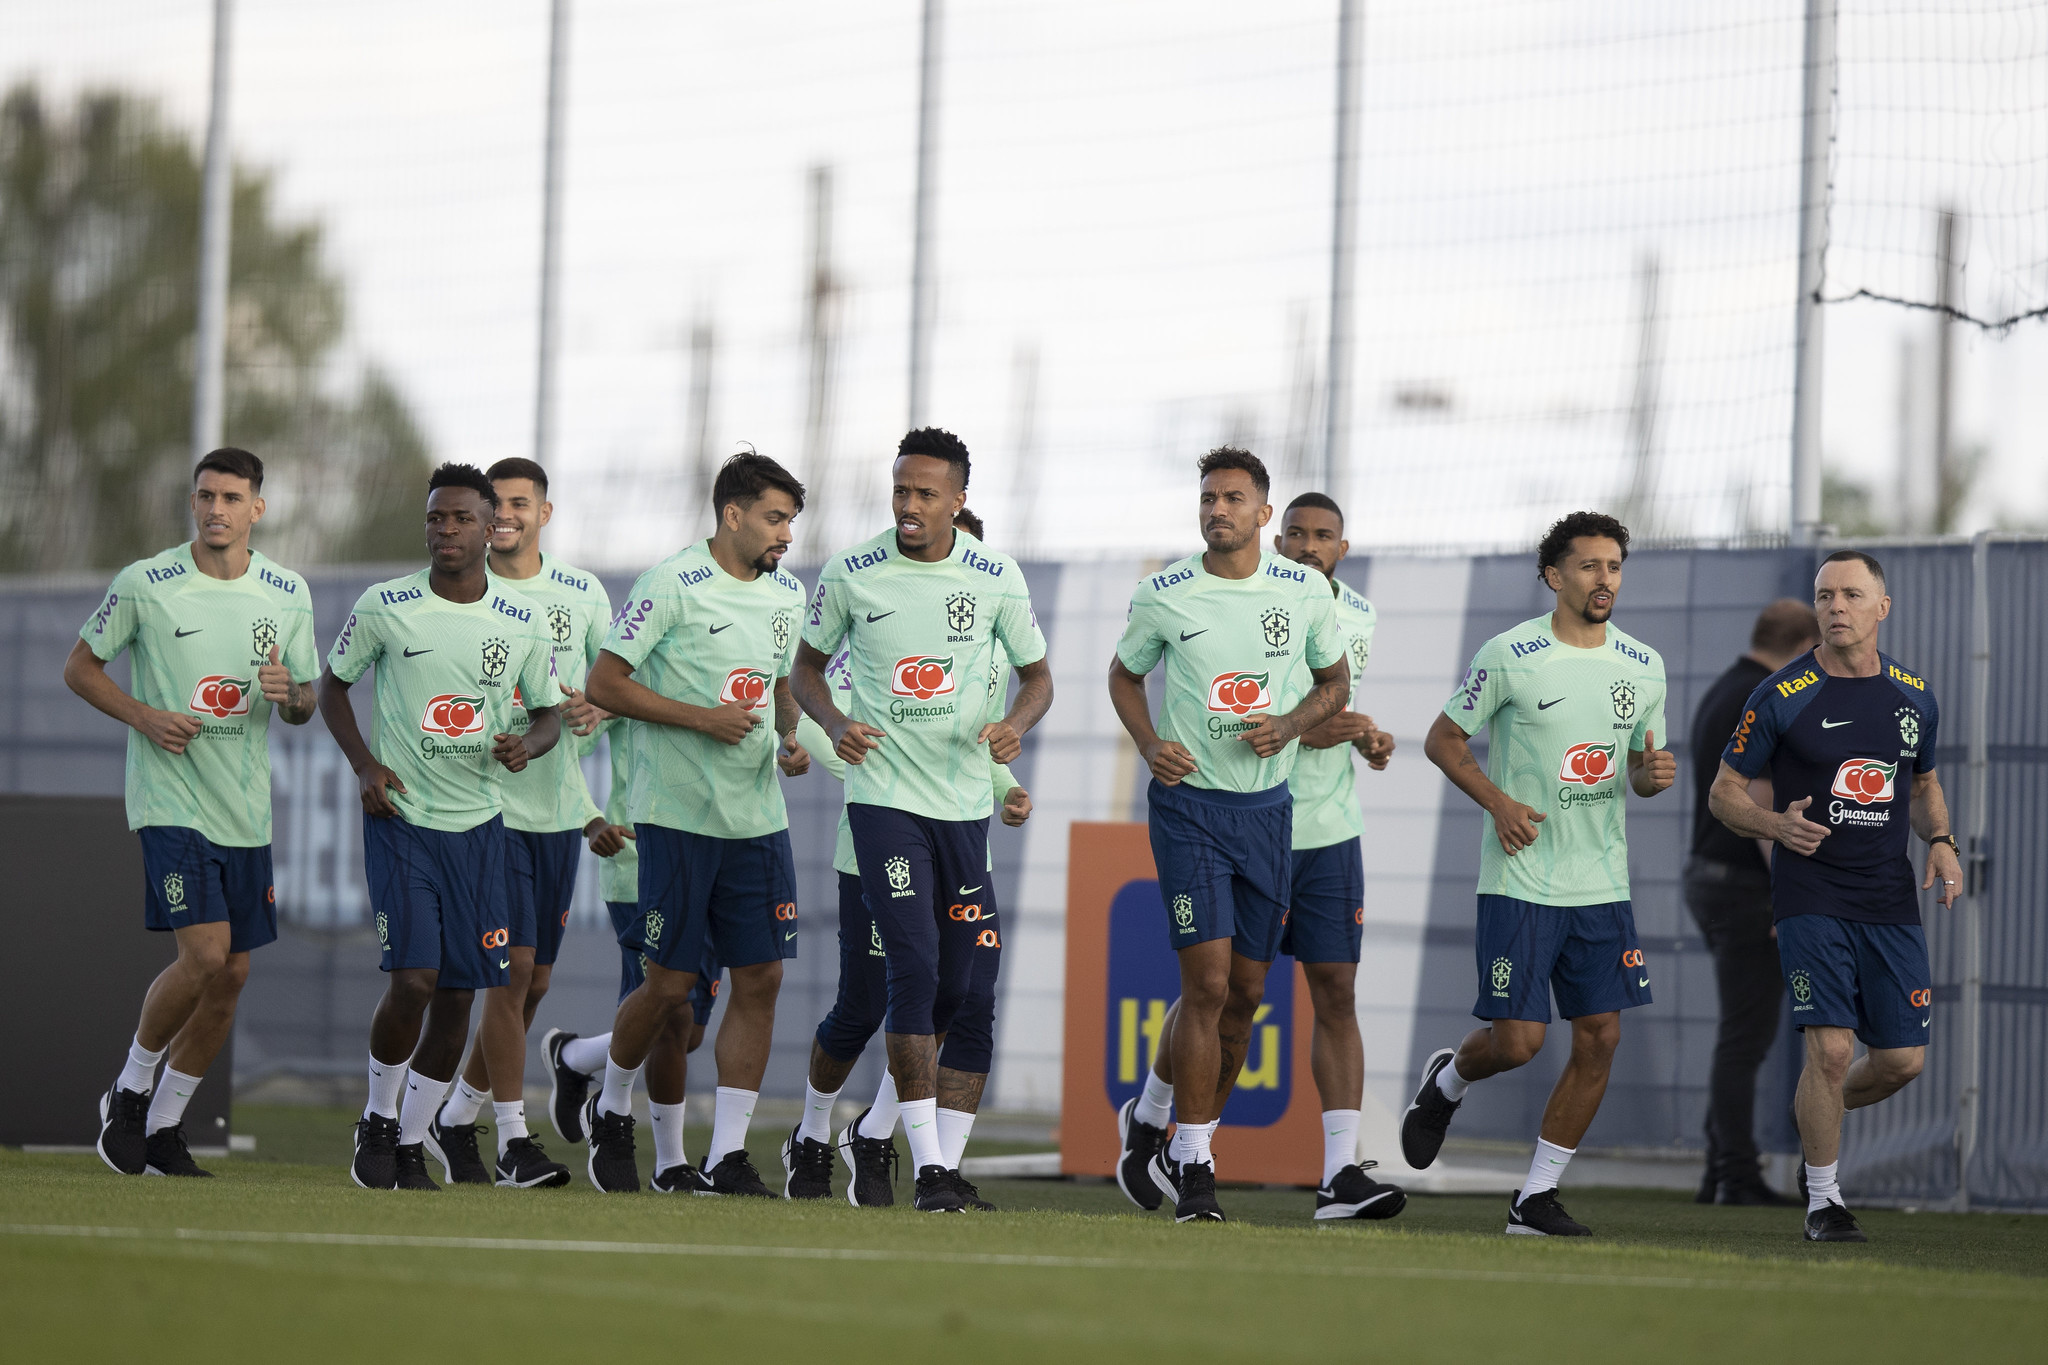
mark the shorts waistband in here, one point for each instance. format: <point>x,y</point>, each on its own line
<point>1209,796</point>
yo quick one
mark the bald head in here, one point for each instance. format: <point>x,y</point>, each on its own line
<point>1784,630</point>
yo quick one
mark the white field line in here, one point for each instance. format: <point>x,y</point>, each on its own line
<point>984,1258</point>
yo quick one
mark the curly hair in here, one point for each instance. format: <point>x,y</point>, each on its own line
<point>939,444</point>
<point>464,476</point>
<point>1236,457</point>
<point>1557,541</point>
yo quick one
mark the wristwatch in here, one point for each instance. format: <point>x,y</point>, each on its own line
<point>1948,839</point>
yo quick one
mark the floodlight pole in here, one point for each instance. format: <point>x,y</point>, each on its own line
<point>551,237</point>
<point>1343,249</point>
<point>1817,132</point>
<point>921,251</point>
<point>216,213</point>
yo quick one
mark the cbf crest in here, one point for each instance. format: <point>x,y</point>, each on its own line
<point>1623,694</point>
<point>561,624</point>
<point>174,889</point>
<point>897,870</point>
<point>1909,727</point>
<point>497,654</point>
<point>778,629</point>
<point>263,637</point>
<point>1275,626</point>
<point>960,612</point>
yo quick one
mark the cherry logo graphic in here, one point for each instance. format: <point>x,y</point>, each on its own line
<point>922,676</point>
<point>1587,764</point>
<point>1239,692</point>
<point>221,696</point>
<point>1864,780</point>
<point>453,714</point>
<point>748,687</point>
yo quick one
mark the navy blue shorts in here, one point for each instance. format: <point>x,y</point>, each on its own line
<point>863,1000</point>
<point>1326,917</point>
<point>702,897</point>
<point>1225,865</point>
<point>542,882</point>
<point>971,1034</point>
<point>1873,978</point>
<point>1587,955</point>
<point>633,964</point>
<point>438,900</point>
<point>925,881</point>
<point>189,879</point>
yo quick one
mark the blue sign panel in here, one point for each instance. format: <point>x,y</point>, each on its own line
<point>1144,979</point>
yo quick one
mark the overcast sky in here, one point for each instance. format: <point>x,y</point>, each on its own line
<point>1138,194</point>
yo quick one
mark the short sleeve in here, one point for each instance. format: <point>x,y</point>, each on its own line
<point>826,622</point>
<point>360,641</point>
<point>301,655</point>
<point>646,616</point>
<point>1650,715</point>
<point>1484,691</point>
<point>114,622</point>
<point>1365,630</point>
<point>1930,727</point>
<point>538,686</point>
<point>1142,642</point>
<point>1325,641</point>
<point>787,660</point>
<point>1756,735</point>
<point>818,745</point>
<point>600,623</point>
<point>1016,627</point>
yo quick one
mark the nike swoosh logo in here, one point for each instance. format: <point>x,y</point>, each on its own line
<point>1644,981</point>
<point>411,653</point>
<point>968,890</point>
<point>788,936</point>
<point>726,626</point>
<point>872,618</point>
<point>1546,705</point>
<point>1835,724</point>
<point>181,634</point>
<point>920,1125</point>
<point>1925,1022</point>
<point>504,962</point>
<point>1188,635</point>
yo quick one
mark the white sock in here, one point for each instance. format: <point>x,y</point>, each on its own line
<point>139,1075</point>
<point>1822,1188</point>
<point>511,1122</point>
<point>729,1119</point>
<point>423,1096</point>
<point>1545,1168</point>
<point>817,1124</point>
<point>1451,1083</point>
<point>667,1120</point>
<point>921,1126</point>
<point>167,1110</point>
<point>387,1082</point>
<point>1340,1141</point>
<point>587,1055</point>
<point>617,1095</point>
<point>1155,1106</point>
<point>954,1126</point>
<point>462,1105</point>
<point>1191,1143</point>
<point>881,1119</point>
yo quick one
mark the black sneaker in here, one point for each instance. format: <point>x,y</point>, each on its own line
<point>1141,1142</point>
<point>527,1166</point>
<point>1540,1215</point>
<point>123,1144</point>
<point>808,1164</point>
<point>1351,1193</point>
<point>567,1089</point>
<point>1833,1223</point>
<point>1197,1202</point>
<point>375,1163</point>
<point>970,1197</point>
<point>168,1154</point>
<point>683,1179</point>
<point>1429,1117</point>
<point>734,1173</point>
<point>454,1146</point>
<point>873,1162</point>
<point>409,1160</point>
<point>1165,1173</point>
<point>612,1166</point>
<point>935,1192</point>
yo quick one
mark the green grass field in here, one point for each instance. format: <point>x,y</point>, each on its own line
<point>281,1258</point>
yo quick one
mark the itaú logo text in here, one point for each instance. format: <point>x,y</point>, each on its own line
<point>1587,764</point>
<point>1864,780</point>
<point>747,687</point>
<point>1238,692</point>
<point>219,695</point>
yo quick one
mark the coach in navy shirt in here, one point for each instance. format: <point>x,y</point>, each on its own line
<point>1847,735</point>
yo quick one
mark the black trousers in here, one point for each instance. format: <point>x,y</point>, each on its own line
<point>1732,907</point>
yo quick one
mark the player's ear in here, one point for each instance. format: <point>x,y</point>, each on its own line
<point>1265,513</point>
<point>547,511</point>
<point>1884,606</point>
<point>1343,548</point>
<point>256,510</point>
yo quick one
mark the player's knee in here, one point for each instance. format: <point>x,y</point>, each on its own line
<point>1335,1002</point>
<point>1897,1068</point>
<point>232,976</point>
<point>1597,1038</point>
<point>410,991</point>
<point>1204,994</point>
<point>1830,1052</point>
<point>696,1037</point>
<point>1514,1050</point>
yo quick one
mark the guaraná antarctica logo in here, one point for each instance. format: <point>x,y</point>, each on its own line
<point>747,688</point>
<point>453,714</point>
<point>221,696</point>
<point>922,676</point>
<point>1239,692</point>
<point>1587,764</point>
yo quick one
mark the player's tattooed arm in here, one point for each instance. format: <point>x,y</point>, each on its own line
<point>1730,802</point>
<point>1005,737</point>
<point>1272,734</point>
<point>961,1090</point>
<point>851,739</point>
<point>86,674</point>
<point>293,701</point>
<point>1930,822</point>
<point>1346,727</point>
<point>1168,759</point>
<point>1447,746</point>
<point>374,781</point>
<point>516,751</point>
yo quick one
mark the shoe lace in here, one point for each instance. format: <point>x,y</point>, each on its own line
<point>742,1166</point>
<point>1197,1178</point>
<point>174,1137</point>
<point>813,1158</point>
<point>129,1106</point>
<point>413,1158</point>
<point>883,1150</point>
<point>1833,1215</point>
<point>376,1128</point>
<point>962,1185</point>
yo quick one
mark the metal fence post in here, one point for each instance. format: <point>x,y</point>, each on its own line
<point>1967,1115</point>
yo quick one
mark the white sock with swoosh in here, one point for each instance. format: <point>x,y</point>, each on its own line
<point>921,1126</point>
<point>1340,1141</point>
<point>173,1093</point>
<point>1545,1168</point>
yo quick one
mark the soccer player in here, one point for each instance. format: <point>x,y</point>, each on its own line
<point>967,1040</point>
<point>548,815</point>
<point>219,638</point>
<point>1836,725</point>
<point>1254,659</point>
<point>452,646</point>
<point>1559,693</point>
<point>923,609</point>
<point>697,656</point>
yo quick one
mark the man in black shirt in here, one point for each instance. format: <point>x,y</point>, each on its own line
<point>1728,890</point>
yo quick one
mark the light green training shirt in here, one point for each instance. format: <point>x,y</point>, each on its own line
<point>618,877</point>
<point>1325,781</point>
<point>551,794</point>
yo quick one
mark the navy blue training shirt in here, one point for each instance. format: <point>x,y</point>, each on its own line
<point>1853,745</point>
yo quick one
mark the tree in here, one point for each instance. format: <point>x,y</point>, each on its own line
<point>99,238</point>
